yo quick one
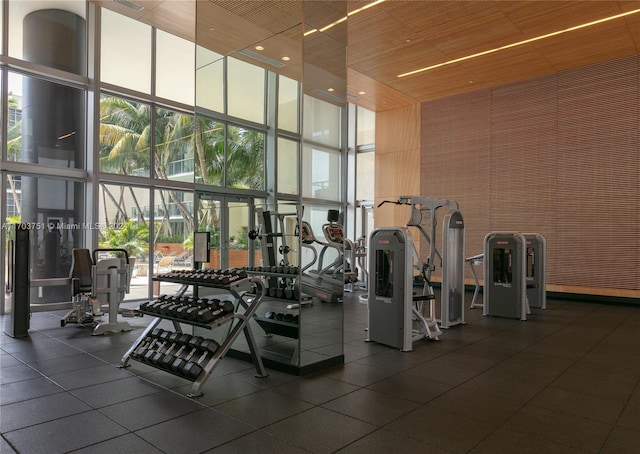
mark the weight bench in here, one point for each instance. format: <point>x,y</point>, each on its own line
<point>97,285</point>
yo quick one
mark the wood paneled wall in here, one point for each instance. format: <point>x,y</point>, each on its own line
<point>557,155</point>
<point>397,162</point>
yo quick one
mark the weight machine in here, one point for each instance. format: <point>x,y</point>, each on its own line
<point>514,274</point>
<point>424,212</point>
<point>96,284</point>
<point>393,256</point>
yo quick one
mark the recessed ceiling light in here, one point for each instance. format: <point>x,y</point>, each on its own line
<point>330,89</point>
<point>408,40</point>
<point>285,58</point>
<point>259,48</point>
<point>362,92</point>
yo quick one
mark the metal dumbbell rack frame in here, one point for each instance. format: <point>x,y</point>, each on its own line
<point>244,311</point>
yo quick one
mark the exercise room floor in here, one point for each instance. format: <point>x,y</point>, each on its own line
<point>564,381</point>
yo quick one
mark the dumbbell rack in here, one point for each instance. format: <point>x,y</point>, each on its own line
<point>236,285</point>
<point>277,326</point>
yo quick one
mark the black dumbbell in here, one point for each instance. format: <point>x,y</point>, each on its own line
<point>156,333</point>
<point>143,347</point>
<point>193,369</point>
<point>192,313</point>
<point>184,339</point>
<point>181,312</point>
<point>223,308</point>
<point>206,349</point>
<point>205,315</point>
<point>183,358</point>
<point>162,351</point>
<point>152,350</point>
<point>166,358</point>
<point>226,306</point>
<point>173,309</point>
<point>164,308</point>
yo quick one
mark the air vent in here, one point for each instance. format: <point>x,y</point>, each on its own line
<point>262,58</point>
<point>328,95</point>
<point>129,4</point>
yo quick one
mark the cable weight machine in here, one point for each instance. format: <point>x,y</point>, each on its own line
<point>398,315</point>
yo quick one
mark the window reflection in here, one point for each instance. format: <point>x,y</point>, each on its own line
<point>174,149</point>
<point>229,156</point>
<point>45,123</point>
<point>124,136</point>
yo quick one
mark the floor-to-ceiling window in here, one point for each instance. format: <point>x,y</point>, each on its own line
<point>44,100</point>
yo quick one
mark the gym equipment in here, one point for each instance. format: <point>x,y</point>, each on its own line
<point>536,270</point>
<point>187,308</point>
<point>452,308</point>
<point>396,316</point>
<point>194,357</point>
<point>103,280</point>
<point>424,210</point>
<point>473,261</point>
<point>536,295</point>
<point>17,288</point>
<point>327,281</point>
<point>505,277</point>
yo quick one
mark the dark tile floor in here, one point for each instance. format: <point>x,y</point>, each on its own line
<point>567,380</point>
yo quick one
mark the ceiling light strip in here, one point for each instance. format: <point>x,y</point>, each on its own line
<point>333,24</point>
<point>519,43</point>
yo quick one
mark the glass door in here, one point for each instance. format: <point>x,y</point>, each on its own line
<point>228,219</point>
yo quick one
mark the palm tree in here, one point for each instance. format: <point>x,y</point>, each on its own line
<point>125,129</point>
<point>174,141</point>
<point>245,158</point>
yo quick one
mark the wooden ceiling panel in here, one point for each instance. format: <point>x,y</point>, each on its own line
<point>419,15</point>
<point>275,16</point>
<point>522,62</point>
<point>606,41</point>
<point>394,37</point>
<point>542,17</point>
<point>377,30</point>
<point>438,83</point>
<point>224,32</point>
<point>386,66</point>
<point>484,30</point>
<point>369,93</point>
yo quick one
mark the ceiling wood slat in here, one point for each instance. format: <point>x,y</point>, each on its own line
<point>400,36</point>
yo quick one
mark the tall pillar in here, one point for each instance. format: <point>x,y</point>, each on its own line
<point>53,134</point>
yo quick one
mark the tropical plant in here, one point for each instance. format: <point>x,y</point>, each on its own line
<point>125,129</point>
<point>131,236</point>
<point>14,149</point>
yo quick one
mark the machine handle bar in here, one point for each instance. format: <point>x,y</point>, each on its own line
<point>96,251</point>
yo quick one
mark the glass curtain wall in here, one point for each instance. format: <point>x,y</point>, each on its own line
<point>130,177</point>
<point>365,172</point>
<point>44,136</point>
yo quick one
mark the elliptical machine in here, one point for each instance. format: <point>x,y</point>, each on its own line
<point>319,279</point>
